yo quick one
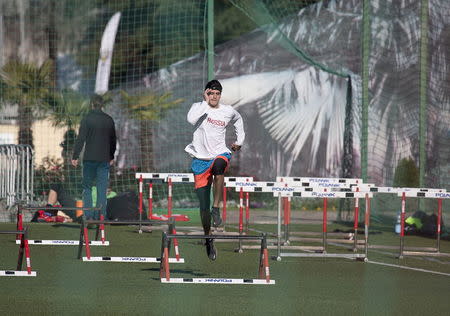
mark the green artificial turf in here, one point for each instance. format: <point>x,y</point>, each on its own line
<point>304,286</point>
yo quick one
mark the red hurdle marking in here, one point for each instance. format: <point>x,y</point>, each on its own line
<point>141,181</point>
<point>86,241</point>
<point>289,210</point>
<point>165,272</point>
<point>175,246</point>
<point>355,223</point>
<point>366,227</point>
<point>102,229</point>
<point>247,210</point>
<point>19,223</point>
<point>150,201</point>
<point>169,198</point>
<point>402,220</point>
<point>266,265</point>
<point>23,249</point>
<point>439,217</point>
<point>241,210</point>
<point>285,209</point>
<point>27,255</point>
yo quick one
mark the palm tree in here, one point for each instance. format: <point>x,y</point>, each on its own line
<point>29,87</point>
<point>66,111</point>
<point>148,108</point>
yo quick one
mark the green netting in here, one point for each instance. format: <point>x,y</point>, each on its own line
<point>326,88</point>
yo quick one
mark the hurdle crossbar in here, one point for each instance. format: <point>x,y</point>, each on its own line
<point>84,241</point>
<point>24,248</point>
<point>263,271</point>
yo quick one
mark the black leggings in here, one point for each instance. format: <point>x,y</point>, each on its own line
<point>204,195</point>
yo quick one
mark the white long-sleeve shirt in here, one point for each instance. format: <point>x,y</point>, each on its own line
<point>209,136</point>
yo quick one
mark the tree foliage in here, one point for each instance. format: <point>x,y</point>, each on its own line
<point>406,174</point>
<point>29,87</point>
<point>148,107</point>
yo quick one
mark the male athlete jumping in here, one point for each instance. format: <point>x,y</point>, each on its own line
<point>210,153</point>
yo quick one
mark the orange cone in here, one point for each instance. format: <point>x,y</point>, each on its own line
<point>79,203</point>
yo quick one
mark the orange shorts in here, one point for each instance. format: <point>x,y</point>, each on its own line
<point>204,177</point>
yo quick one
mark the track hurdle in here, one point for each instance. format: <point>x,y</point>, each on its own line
<point>300,192</point>
<point>230,182</point>
<point>422,251</point>
<point>408,192</point>
<point>84,240</point>
<point>263,271</point>
<point>23,248</point>
<point>58,242</point>
<point>241,185</point>
<point>274,187</point>
<point>169,178</point>
<point>331,184</point>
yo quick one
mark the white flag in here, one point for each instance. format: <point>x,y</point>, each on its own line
<point>106,52</point>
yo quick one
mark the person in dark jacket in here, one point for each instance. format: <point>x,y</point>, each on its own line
<point>97,135</point>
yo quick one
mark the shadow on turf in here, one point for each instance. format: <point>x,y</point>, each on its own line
<point>180,271</point>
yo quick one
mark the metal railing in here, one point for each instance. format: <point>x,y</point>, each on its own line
<point>16,173</point>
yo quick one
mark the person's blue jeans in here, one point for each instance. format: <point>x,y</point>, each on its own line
<point>95,172</point>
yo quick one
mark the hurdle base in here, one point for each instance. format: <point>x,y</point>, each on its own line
<point>131,259</point>
<point>223,281</point>
<point>323,255</point>
<point>424,253</point>
<point>50,242</point>
<point>312,248</point>
<point>17,273</point>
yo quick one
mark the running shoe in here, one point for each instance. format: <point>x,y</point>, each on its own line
<point>211,250</point>
<point>215,213</point>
